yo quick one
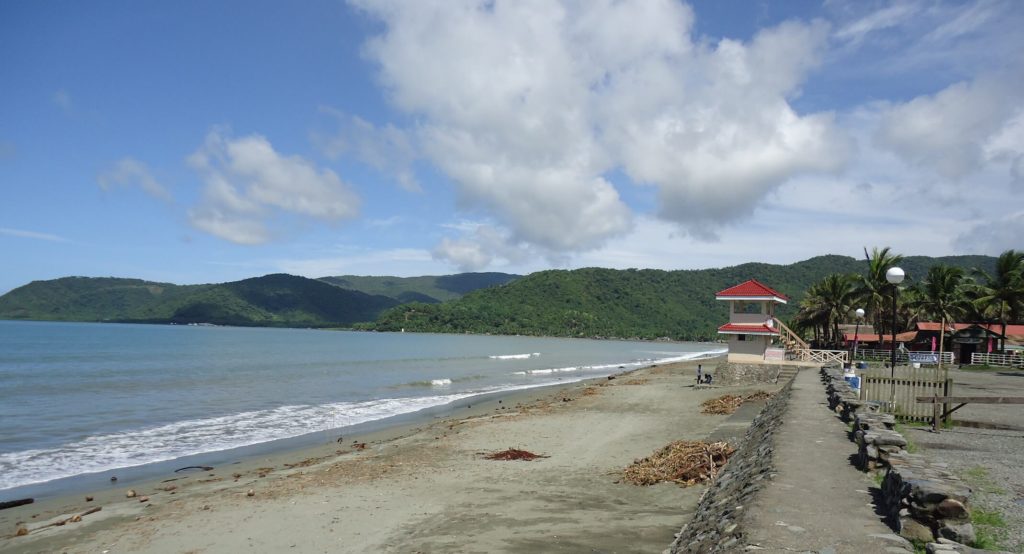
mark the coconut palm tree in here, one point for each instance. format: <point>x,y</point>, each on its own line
<point>941,296</point>
<point>874,291</point>
<point>1001,296</point>
<point>827,304</point>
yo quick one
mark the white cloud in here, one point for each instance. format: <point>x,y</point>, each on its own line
<point>129,172</point>
<point>958,130</point>
<point>248,182</point>
<point>528,105</point>
<point>21,233</point>
<point>385,148</point>
<point>966,19</point>
<point>888,17</point>
<point>482,244</point>
<point>993,236</point>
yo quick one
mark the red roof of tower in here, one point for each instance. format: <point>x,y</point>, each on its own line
<point>751,289</point>
<point>752,329</point>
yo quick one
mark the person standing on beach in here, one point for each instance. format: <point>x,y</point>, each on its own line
<point>700,374</point>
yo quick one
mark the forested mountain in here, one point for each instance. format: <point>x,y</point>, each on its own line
<point>627,303</point>
<point>589,302</point>
<point>271,300</point>
<point>429,289</point>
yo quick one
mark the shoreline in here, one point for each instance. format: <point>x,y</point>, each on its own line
<point>131,475</point>
<point>288,475</point>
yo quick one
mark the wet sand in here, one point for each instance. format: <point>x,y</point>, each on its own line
<point>426,487</point>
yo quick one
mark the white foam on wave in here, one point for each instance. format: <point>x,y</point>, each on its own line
<point>440,382</point>
<point>184,438</point>
<point>515,356</point>
<point>635,364</point>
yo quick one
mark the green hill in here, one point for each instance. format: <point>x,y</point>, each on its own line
<point>427,289</point>
<point>589,302</point>
<point>648,303</point>
<point>271,300</point>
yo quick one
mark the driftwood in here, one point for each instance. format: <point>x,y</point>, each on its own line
<point>729,403</point>
<point>683,462</point>
<point>204,468</point>
<point>16,503</point>
<point>72,519</point>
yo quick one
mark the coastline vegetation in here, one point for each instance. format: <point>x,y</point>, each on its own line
<point>946,291</point>
<point>590,302</point>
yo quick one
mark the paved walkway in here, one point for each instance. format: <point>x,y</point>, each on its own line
<point>819,502</point>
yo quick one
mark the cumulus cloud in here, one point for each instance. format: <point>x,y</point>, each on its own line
<point>248,182</point>
<point>482,244</point>
<point>129,172</point>
<point>959,129</point>
<point>528,107</point>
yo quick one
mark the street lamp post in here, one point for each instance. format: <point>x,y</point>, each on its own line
<point>856,330</point>
<point>895,276</point>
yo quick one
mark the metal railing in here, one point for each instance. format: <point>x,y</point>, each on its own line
<point>869,354</point>
<point>1002,360</point>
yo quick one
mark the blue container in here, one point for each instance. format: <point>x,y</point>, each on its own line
<point>862,365</point>
<point>853,380</point>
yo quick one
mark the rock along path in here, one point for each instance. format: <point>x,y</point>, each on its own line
<point>818,502</point>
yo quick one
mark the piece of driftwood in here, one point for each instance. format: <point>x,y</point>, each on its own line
<point>204,468</point>
<point>16,503</point>
<point>72,519</point>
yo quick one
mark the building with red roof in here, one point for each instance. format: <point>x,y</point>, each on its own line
<point>752,325</point>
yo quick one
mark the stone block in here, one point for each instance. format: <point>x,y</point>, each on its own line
<point>959,532</point>
<point>913,530</point>
<point>953,509</point>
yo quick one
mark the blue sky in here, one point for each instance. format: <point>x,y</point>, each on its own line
<point>197,142</point>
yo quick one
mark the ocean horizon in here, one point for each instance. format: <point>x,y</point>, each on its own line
<point>81,399</point>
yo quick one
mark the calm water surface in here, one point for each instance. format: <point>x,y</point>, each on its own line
<point>80,398</point>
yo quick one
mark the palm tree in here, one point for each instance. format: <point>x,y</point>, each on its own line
<point>1002,296</point>
<point>941,296</point>
<point>826,305</point>
<point>873,290</point>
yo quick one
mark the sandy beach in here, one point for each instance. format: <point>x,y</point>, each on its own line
<point>426,487</point>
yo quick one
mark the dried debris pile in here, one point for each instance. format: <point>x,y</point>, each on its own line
<point>683,462</point>
<point>729,403</point>
<point>514,454</point>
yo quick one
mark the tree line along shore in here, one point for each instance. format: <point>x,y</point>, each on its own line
<point>589,302</point>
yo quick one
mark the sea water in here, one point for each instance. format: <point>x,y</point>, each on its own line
<point>85,398</point>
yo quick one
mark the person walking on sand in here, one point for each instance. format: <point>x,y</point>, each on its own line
<point>700,374</point>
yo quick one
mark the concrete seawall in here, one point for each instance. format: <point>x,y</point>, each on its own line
<point>717,524</point>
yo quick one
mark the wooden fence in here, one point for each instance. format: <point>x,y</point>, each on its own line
<point>1004,360</point>
<point>822,356</point>
<point>878,385</point>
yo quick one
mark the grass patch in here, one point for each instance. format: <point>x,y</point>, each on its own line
<point>978,478</point>
<point>985,368</point>
<point>879,477</point>
<point>901,429</point>
<point>988,538</point>
<point>990,518</point>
